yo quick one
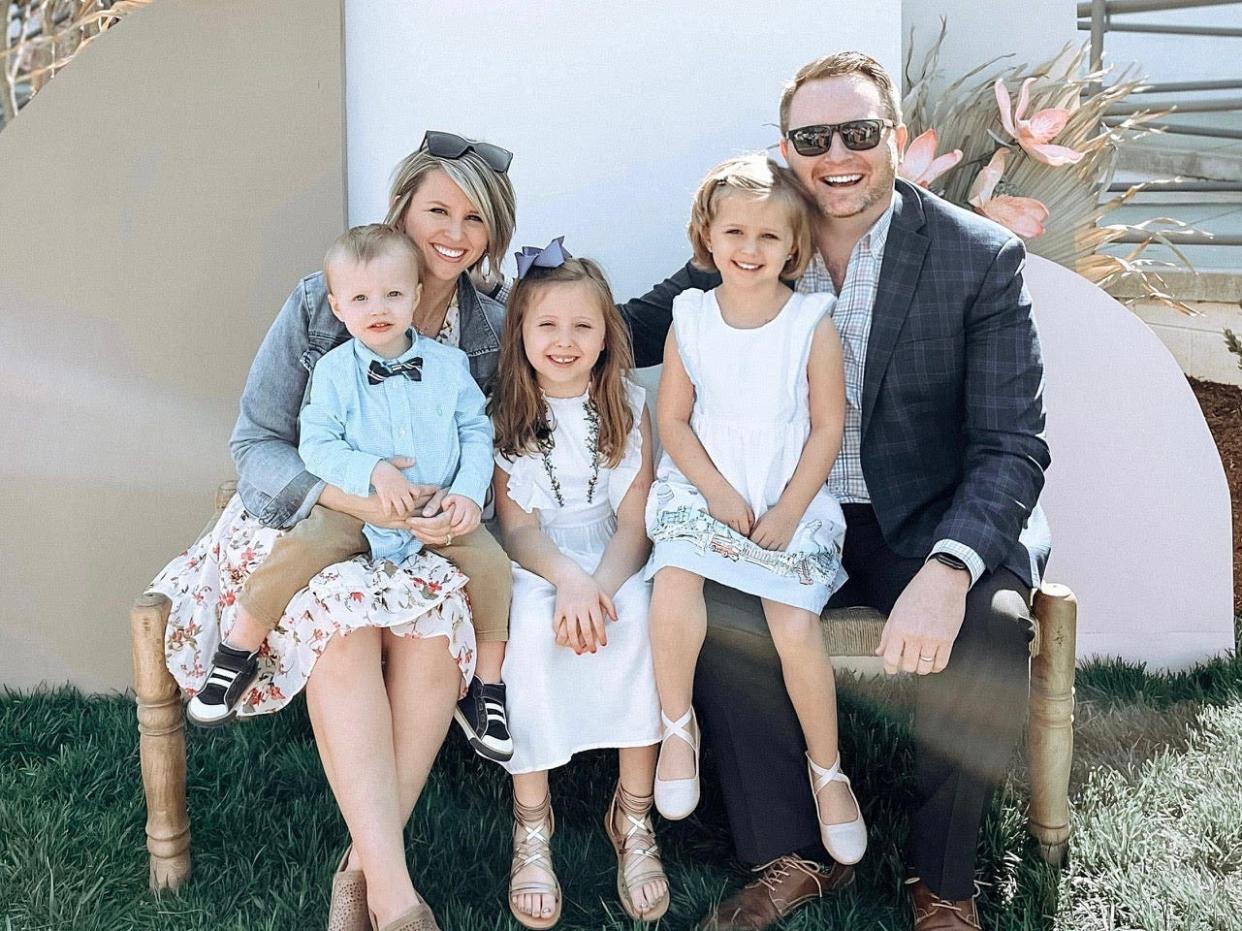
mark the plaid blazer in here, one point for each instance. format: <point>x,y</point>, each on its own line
<point>953,415</point>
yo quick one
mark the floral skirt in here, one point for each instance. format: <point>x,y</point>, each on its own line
<point>422,596</point>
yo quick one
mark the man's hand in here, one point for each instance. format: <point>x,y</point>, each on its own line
<point>775,528</point>
<point>396,495</point>
<point>730,508</point>
<point>925,621</point>
<point>464,514</point>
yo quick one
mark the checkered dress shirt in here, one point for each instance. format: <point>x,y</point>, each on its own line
<point>852,317</point>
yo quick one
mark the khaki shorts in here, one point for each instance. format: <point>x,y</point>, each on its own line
<point>326,537</point>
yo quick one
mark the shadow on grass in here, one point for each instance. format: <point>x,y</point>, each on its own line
<point>266,833</point>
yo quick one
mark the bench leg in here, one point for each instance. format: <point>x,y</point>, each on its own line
<point>161,729</point>
<point>1050,740</point>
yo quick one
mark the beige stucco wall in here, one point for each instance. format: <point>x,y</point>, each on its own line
<point>160,198</point>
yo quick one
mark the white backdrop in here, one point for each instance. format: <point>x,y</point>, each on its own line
<point>614,110</point>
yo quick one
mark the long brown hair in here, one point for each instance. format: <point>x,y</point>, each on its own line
<point>519,412</point>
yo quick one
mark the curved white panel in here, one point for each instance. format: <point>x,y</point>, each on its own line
<point>1136,495</point>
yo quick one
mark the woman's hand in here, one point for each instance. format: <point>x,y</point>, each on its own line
<point>464,514</point>
<point>582,609</point>
<point>775,528</point>
<point>730,508</point>
<point>431,524</point>
<point>369,510</point>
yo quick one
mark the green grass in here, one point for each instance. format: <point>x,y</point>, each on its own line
<point>1157,788</point>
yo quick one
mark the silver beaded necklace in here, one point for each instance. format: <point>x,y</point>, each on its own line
<point>547,444</point>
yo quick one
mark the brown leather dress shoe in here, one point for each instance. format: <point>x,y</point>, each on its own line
<point>782,886</point>
<point>932,913</point>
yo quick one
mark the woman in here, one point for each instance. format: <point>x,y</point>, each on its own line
<point>381,698</point>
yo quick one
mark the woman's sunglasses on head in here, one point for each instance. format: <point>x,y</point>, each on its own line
<point>453,146</point>
<point>858,136</point>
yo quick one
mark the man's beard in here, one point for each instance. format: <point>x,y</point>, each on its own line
<point>879,190</point>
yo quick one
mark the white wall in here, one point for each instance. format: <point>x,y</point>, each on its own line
<point>1033,30</point>
<point>615,110</point>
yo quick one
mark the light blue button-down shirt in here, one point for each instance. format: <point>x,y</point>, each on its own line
<point>349,425</point>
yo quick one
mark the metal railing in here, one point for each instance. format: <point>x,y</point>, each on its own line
<point>1096,17</point>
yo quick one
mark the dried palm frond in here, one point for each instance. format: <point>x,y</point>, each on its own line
<point>965,116</point>
<point>42,36</point>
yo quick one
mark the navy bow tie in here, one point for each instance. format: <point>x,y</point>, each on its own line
<point>411,369</point>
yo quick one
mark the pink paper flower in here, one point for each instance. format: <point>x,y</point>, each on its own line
<point>1022,215</point>
<point>1035,134</point>
<point>919,163</point>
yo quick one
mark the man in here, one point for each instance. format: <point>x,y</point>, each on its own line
<point>939,474</point>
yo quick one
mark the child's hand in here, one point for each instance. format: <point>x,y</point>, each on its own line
<point>397,496</point>
<point>728,507</point>
<point>581,612</point>
<point>464,514</point>
<point>775,528</point>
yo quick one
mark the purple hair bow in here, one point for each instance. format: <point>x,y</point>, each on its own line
<point>553,255</point>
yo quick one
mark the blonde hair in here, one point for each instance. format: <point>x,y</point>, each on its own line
<point>519,412</point>
<point>841,63</point>
<point>364,244</point>
<point>490,191</point>
<point>759,177</point>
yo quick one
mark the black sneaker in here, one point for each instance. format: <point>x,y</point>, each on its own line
<point>481,715</point>
<point>232,673</point>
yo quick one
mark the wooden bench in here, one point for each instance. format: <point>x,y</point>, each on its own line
<point>853,632</point>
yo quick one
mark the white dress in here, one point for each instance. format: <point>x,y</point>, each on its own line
<point>560,703</point>
<point>752,415</point>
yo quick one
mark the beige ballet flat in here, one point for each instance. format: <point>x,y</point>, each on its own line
<point>847,841</point>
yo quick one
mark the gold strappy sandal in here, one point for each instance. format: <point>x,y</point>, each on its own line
<point>638,855</point>
<point>533,827</point>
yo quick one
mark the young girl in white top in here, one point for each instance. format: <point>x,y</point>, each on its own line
<point>751,410</point>
<point>573,467</point>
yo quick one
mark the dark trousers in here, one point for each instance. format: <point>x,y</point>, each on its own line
<point>967,719</point>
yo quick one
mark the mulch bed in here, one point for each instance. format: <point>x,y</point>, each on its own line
<point>1222,408</point>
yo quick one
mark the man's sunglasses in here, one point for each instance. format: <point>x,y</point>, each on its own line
<point>858,136</point>
<point>451,145</point>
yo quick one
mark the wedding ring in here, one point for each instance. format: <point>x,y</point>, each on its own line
<point>927,659</point>
<point>449,541</point>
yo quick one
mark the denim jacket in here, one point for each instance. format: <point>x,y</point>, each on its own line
<point>272,481</point>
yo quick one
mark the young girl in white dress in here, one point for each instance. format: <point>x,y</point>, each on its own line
<point>573,470</point>
<point>751,411</point>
